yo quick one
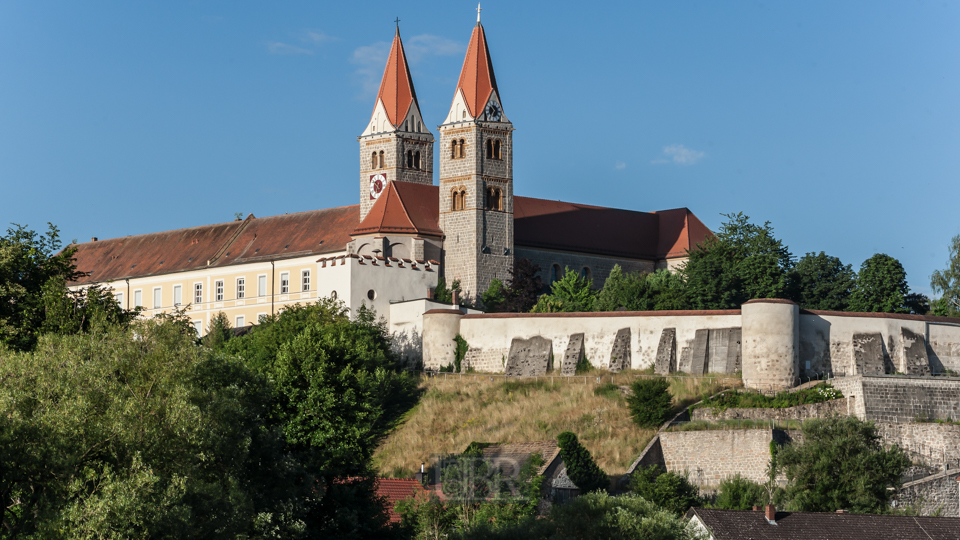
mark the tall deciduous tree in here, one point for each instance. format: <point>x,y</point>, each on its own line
<point>571,293</point>
<point>823,282</point>
<point>881,286</point>
<point>582,470</point>
<point>946,282</point>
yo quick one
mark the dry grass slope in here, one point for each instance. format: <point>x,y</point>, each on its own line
<point>454,412</point>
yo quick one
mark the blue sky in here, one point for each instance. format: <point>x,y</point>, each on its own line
<point>839,122</point>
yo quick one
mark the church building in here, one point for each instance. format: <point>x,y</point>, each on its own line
<point>389,250</point>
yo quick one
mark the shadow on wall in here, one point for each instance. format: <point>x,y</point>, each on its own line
<point>408,345</point>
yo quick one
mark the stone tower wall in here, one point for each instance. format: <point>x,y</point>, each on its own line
<point>394,147</point>
<point>479,243</point>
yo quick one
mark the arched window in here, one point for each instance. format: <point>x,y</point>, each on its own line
<point>496,149</point>
<point>489,149</point>
<point>453,149</point>
<point>455,200</point>
<point>382,163</point>
<point>463,152</point>
<point>585,272</point>
<point>555,273</point>
<point>464,115</point>
<point>499,201</point>
<point>409,159</point>
<point>373,161</point>
<point>416,160</point>
<point>418,126</point>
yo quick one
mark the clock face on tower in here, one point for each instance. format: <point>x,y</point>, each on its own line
<point>493,112</point>
<point>377,183</point>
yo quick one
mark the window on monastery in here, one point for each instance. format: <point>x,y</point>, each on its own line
<point>137,299</point>
<point>218,290</point>
<point>555,273</point>
<point>305,281</point>
<point>372,294</point>
<point>198,327</point>
<point>453,149</point>
<point>464,115</point>
<point>382,162</point>
<point>585,273</point>
<point>373,161</point>
<point>177,295</point>
<point>418,126</point>
<point>333,295</point>
<point>489,149</point>
<point>461,149</point>
<point>261,285</point>
<point>241,288</point>
<point>496,149</point>
<point>285,283</point>
<point>198,293</point>
<point>261,317</point>
<point>459,200</point>
<point>119,298</point>
<point>157,298</point>
<point>416,160</point>
<point>239,322</point>
<point>409,159</point>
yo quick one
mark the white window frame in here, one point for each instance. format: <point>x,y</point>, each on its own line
<point>137,298</point>
<point>218,290</point>
<point>119,298</point>
<point>198,292</point>
<point>284,282</point>
<point>157,305</point>
<point>239,322</point>
<point>177,292</point>
<point>241,288</point>
<point>261,316</point>
<point>261,291</point>
<point>198,328</point>
<point>305,281</point>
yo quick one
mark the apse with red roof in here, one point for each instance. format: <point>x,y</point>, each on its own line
<point>396,145</point>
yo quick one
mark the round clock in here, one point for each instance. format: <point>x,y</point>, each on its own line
<point>377,183</point>
<point>493,112</point>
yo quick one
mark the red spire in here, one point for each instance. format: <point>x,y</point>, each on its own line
<point>396,88</point>
<point>477,80</point>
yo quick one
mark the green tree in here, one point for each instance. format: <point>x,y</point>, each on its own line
<point>572,293</point>
<point>524,287</point>
<point>494,297</point>
<point>444,294</point>
<point>840,464</point>
<point>738,493</point>
<point>596,515</point>
<point>823,282</point>
<point>946,282</point>
<point>650,402</point>
<point>668,490</point>
<point>220,332</point>
<point>581,468</point>
<point>881,286</point>
<point>628,291</point>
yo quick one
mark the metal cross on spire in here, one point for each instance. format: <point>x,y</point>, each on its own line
<point>479,9</point>
<point>398,22</point>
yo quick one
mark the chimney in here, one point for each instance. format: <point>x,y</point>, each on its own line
<point>840,511</point>
<point>94,239</point>
<point>419,475</point>
<point>770,512</point>
<point>456,298</point>
<point>429,293</point>
<point>756,508</point>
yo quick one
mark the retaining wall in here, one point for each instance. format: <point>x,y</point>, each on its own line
<point>800,412</point>
<point>935,495</point>
<point>711,456</point>
<point>901,399</point>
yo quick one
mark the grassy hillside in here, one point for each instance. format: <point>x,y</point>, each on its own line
<point>454,412</point>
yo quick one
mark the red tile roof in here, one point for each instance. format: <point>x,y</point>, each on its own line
<point>393,490</point>
<point>396,87</point>
<point>724,524</point>
<point>403,208</point>
<point>477,80</point>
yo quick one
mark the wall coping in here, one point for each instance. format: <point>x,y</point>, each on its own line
<point>600,314</point>
<point>443,312</point>
<point>901,316</point>
<point>770,301</point>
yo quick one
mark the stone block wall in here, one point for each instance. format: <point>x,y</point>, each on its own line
<point>800,412</point>
<point>935,495</point>
<point>928,443</point>
<point>394,147</point>
<point>711,456</point>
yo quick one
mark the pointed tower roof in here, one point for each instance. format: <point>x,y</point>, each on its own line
<point>477,80</point>
<point>396,87</point>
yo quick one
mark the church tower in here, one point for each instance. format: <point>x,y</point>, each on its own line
<point>476,176</point>
<point>395,146</point>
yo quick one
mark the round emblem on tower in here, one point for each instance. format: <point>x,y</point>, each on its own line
<point>493,112</point>
<point>377,183</point>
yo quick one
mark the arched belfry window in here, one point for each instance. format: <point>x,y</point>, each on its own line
<point>555,273</point>
<point>454,200</point>
<point>459,201</point>
<point>496,149</point>
<point>416,160</point>
<point>489,149</point>
<point>494,199</point>
<point>585,273</point>
<point>462,153</point>
<point>409,159</point>
<point>373,161</point>
<point>453,149</point>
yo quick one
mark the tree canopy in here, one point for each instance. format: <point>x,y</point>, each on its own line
<point>946,282</point>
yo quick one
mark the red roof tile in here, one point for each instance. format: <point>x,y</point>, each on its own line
<point>477,80</point>
<point>396,87</point>
<point>403,208</point>
<point>393,490</point>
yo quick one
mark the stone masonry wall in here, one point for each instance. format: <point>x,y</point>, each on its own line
<point>934,495</point>
<point>928,443</point>
<point>394,147</point>
<point>901,399</point>
<point>711,456</point>
<point>800,412</point>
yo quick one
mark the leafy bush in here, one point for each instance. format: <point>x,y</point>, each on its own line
<point>607,390</point>
<point>755,400</point>
<point>581,469</point>
<point>668,490</point>
<point>650,402</point>
<point>738,493</point>
<point>460,352</point>
<point>571,293</point>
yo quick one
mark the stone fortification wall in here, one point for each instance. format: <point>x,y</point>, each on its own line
<point>901,399</point>
<point>711,456</point>
<point>771,332</point>
<point>927,443</point>
<point>935,495</point>
<point>630,339</point>
<point>800,412</point>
